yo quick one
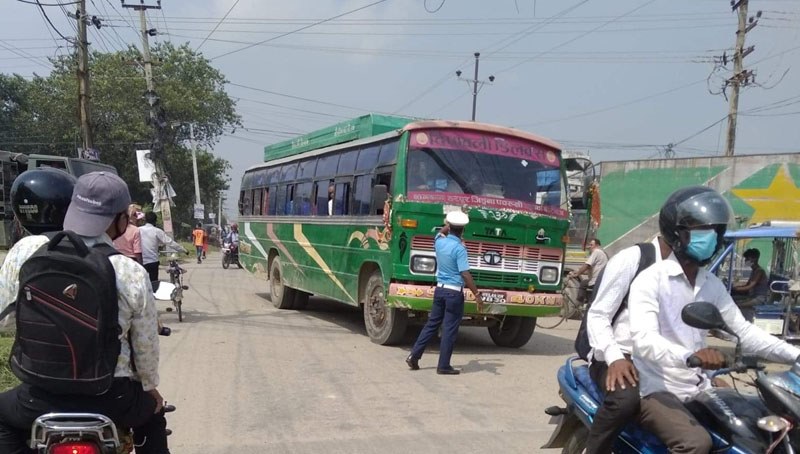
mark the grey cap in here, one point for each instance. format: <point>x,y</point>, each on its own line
<point>97,198</point>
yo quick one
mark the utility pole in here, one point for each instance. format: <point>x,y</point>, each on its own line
<point>194,165</point>
<point>156,119</point>
<point>475,84</point>
<point>83,79</point>
<point>219,208</point>
<point>740,76</point>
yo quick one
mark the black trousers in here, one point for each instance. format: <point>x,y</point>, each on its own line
<point>619,407</point>
<point>152,270</point>
<point>126,403</point>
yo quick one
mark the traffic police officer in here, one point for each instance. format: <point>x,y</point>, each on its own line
<point>452,276</point>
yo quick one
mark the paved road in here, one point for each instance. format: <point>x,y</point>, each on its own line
<point>247,377</point>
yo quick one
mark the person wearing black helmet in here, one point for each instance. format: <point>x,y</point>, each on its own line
<point>692,221</point>
<point>39,199</point>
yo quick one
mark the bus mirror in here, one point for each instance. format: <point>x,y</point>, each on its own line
<point>379,194</point>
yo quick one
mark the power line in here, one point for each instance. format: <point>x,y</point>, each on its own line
<point>49,4</point>
<point>47,18</point>
<point>615,106</point>
<point>299,29</point>
<point>569,41</point>
<point>300,98</point>
<point>216,26</point>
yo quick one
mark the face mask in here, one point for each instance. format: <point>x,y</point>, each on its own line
<point>702,245</point>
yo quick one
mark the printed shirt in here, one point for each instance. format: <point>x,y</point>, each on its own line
<point>451,260</point>
<point>198,235</point>
<point>597,261</point>
<point>130,243</point>
<point>152,238</point>
<point>137,309</point>
<point>610,343</point>
<point>662,341</point>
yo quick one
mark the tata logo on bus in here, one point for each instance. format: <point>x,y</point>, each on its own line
<point>345,129</point>
<point>492,258</point>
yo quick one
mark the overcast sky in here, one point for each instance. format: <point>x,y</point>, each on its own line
<point>620,79</point>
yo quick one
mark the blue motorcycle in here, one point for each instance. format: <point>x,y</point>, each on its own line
<point>767,423</point>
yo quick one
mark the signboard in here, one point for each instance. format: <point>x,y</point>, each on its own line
<point>146,165</point>
<point>212,216</point>
<point>199,211</point>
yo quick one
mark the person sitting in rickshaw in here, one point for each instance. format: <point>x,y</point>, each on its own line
<point>756,291</point>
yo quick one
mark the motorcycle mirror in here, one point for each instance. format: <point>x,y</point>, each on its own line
<point>703,315</point>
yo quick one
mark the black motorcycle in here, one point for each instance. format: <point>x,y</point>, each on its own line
<point>230,254</point>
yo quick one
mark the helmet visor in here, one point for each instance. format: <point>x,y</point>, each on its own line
<point>706,208</point>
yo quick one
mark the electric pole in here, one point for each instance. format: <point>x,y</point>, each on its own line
<point>83,79</point>
<point>476,84</point>
<point>194,166</point>
<point>741,77</point>
<point>157,119</point>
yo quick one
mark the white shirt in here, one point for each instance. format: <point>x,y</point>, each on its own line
<point>152,238</point>
<point>662,341</point>
<point>611,343</point>
<point>597,262</point>
<point>137,309</point>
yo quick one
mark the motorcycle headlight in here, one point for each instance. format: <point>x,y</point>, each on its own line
<point>548,275</point>
<point>423,264</point>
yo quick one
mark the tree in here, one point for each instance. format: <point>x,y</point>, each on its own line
<point>41,116</point>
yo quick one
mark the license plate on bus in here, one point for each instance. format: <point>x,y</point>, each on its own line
<point>494,297</point>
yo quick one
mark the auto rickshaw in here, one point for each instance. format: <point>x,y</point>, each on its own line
<point>779,243</point>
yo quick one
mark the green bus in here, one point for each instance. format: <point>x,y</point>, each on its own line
<point>350,213</point>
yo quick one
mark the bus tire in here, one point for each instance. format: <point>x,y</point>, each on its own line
<point>282,296</point>
<point>513,332</point>
<point>300,300</point>
<point>385,325</point>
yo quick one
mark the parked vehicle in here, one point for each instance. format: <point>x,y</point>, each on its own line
<point>172,290</point>
<point>737,423</point>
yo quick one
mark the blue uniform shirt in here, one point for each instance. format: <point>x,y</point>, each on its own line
<point>451,260</point>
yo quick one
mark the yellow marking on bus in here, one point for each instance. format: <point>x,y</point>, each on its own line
<point>306,245</point>
<point>272,236</point>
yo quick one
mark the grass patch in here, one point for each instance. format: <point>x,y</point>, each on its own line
<point>7,379</point>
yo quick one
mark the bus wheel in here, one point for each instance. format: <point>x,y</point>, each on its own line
<point>513,332</point>
<point>282,296</point>
<point>385,325</point>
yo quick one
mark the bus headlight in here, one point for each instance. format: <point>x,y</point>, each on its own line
<point>548,275</point>
<point>422,264</point>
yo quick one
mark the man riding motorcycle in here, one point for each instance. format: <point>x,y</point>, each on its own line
<point>97,213</point>
<point>693,223</point>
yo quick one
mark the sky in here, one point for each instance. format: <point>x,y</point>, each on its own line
<point>620,80</point>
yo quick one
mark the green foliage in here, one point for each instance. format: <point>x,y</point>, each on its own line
<point>7,379</point>
<point>41,116</point>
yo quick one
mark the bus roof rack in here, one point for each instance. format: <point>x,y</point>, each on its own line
<point>358,128</point>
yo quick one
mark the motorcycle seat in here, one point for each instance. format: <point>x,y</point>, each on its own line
<point>585,380</point>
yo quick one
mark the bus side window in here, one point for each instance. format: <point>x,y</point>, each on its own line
<point>257,202</point>
<point>302,199</point>
<point>289,210</point>
<point>341,200</point>
<point>273,196</point>
<point>241,202</point>
<point>265,202</point>
<point>280,201</point>
<point>363,194</point>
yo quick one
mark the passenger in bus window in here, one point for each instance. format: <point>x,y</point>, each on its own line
<point>331,191</point>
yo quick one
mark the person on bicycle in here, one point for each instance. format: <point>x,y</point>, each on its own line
<point>611,367</point>
<point>153,238</point>
<point>98,213</point>
<point>593,265</point>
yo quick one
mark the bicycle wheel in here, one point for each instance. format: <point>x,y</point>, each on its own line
<point>178,305</point>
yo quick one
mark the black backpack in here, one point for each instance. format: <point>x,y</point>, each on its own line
<point>647,258</point>
<point>68,334</point>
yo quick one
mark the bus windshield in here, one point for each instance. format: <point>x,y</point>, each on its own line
<point>483,169</point>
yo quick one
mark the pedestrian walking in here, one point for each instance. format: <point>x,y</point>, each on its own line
<point>198,236</point>
<point>448,298</point>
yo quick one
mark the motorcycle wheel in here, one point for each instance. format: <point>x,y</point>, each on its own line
<point>577,441</point>
<point>226,261</point>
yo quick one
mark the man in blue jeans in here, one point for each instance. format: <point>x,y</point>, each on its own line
<point>452,276</point>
